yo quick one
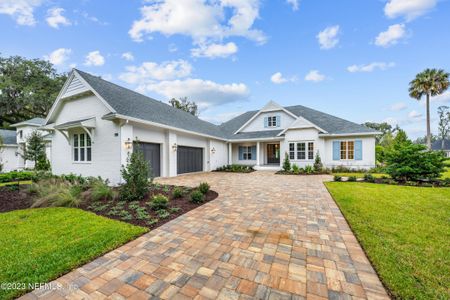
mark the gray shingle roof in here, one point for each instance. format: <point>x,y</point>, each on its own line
<point>132,104</point>
<point>146,108</point>
<point>34,121</point>
<point>8,136</point>
<point>437,145</point>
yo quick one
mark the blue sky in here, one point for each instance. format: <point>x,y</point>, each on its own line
<point>350,58</point>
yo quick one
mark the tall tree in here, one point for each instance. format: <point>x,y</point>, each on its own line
<point>428,83</point>
<point>186,105</point>
<point>444,124</point>
<point>385,129</point>
<point>28,88</point>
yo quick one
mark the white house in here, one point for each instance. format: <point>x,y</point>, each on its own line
<point>95,123</point>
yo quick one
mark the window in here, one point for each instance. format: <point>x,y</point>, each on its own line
<point>245,153</point>
<point>291,151</point>
<point>347,149</point>
<point>305,150</point>
<point>272,121</point>
<point>310,150</point>
<point>301,151</point>
<point>82,147</point>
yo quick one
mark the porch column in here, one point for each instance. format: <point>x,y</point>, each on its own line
<point>257,153</point>
<point>230,153</point>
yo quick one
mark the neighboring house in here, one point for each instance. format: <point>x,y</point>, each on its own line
<point>8,150</point>
<point>437,145</point>
<point>95,125</point>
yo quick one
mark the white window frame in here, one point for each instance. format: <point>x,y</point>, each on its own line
<point>296,151</point>
<point>247,153</point>
<point>346,152</point>
<point>272,121</point>
<point>77,148</point>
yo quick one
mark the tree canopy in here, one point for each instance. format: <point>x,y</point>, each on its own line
<point>28,88</point>
<point>186,105</point>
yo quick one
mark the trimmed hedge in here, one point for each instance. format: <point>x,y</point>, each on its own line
<point>17,176</point>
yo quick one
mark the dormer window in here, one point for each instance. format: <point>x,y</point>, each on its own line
<point>272,121</point>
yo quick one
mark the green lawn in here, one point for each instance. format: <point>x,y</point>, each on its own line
<point>446,174</point>
<point>359,175</point>
<point>405,231</point>
<point>39,245</point>
<point>25,182</point>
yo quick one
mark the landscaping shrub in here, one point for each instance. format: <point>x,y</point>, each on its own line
<point>235,168</point>
<point>318,166</point>
<point>136,176</point>
<point>162,213</point>
<point>309,169</point>
<point>56,192</point>
<point>351,178</point>
<point>17,176</point>
<point>100,190</point>
<point>295,169</point>
<point>203,187</point>
<point>177,192</point>
<point>286,163</point>
<point>337,178</point>
<point>159,202</point>
<point>409,162</point>
<point>369,177</point>
<point>197,197</point>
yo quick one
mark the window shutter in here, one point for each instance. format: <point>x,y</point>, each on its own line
<point>266,122</point>
<point>241,153</point>
<point>253,152</point>
<point>278,120</point>
<point>358,150</point>
<point>336,150</point>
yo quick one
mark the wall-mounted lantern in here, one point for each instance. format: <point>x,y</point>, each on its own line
<point>213,150</point>
<point>174,147</point>
<point>128,144</point>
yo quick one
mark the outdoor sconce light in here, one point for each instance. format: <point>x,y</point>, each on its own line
<point>213,150</point>
<point>174,147</point>
<point>128,143</point>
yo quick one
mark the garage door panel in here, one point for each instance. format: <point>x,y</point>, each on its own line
<point>152,154</point>
<point>189,159</point>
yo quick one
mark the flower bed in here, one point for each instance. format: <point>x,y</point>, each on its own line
<point>235,169</point>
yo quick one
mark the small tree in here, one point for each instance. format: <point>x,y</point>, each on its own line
<point>409,161</point>
<point>444,124</point>
<point>35,151</point>
<point>318,166</point>
<point>136,175</point>
<point>186,105</point>
<point>286,163</point>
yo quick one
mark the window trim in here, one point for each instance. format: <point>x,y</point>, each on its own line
<point>347,150</point>
<point>85,147</point>
<point>306,150</point>
<point>246,150</point>
<point>272,121</point>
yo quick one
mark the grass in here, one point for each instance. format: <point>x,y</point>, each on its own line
<point>405,231</point>
<point>25,182</point>
<point>446,174</point>
<point>360,174</point>
<point>39,245</point>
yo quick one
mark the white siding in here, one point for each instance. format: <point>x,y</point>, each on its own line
<point>258,123</point>
<point>220,157</point>
<point>106,157</point>
<point>74,87</point>
<point>8,158</point>
<point>235,155</point>
<point>303,135</point>
<point>368,153</point>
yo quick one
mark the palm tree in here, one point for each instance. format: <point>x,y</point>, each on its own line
<point>430,82</point>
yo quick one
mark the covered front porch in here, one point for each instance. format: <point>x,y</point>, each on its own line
<point>263,155</point>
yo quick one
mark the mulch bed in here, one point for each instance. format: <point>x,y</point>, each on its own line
<point>292,173</point>
<point>12,198</point>
<point>176,207</point>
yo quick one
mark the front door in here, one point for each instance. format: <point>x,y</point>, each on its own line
<point>273,153</point>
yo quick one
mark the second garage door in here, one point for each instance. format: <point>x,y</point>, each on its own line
<point>152,155</point>
<point>189,159</point>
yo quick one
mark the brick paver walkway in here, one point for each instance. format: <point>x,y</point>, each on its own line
<point>265,237</point>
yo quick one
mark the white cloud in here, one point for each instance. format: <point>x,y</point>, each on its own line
<point>201,20</point>
<point>278,78</point>
<point>398,106</point>
<point>205,93</point>
<point>370,67</point>
<point>314,75</point>
<point>391,36</point>
<point>55,17</point>
<point>410,9</point>
<point>94,58</point>
<point>128,56</point>
<point>150,71</point>
<point>328,38</point>
<point>59,56</point>
<point>414,114</point>
<point>215,50</point>
<point>20,10</point>
<point>442,98</point>
<point>294,3</point>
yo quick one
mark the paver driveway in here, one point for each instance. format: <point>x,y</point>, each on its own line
<point>265,237</point>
